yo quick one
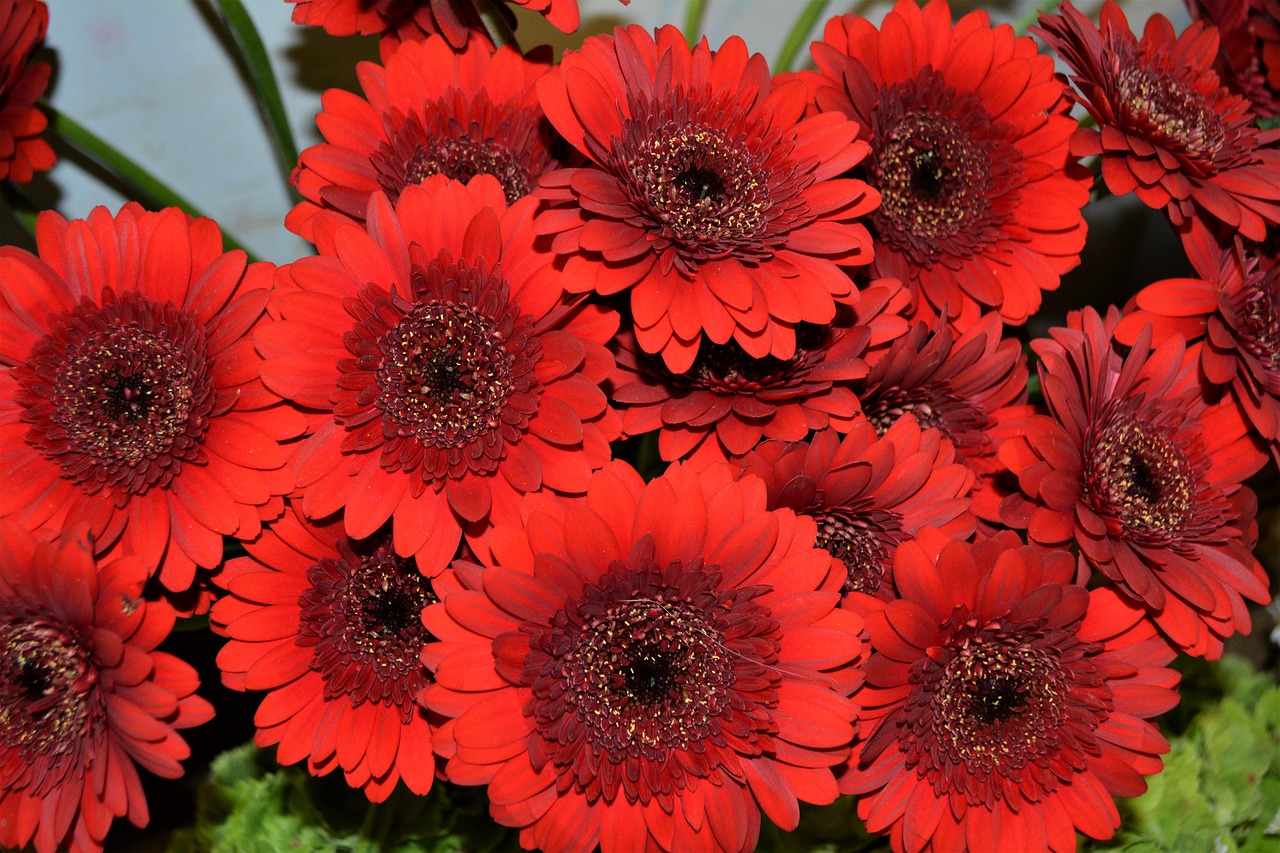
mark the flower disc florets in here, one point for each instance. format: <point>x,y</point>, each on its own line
<point>120,394</point>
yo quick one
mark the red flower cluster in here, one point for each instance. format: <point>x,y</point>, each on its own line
<point>785,298</point>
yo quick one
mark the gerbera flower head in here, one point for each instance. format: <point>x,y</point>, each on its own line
<point>22,82</point>
<point>410,20</point>
<point>868,493</point>
<point>727,402</point>
<point>970,387</point>
<point>445,373</point>
<point>1138,470</point>
<point>648,667</point>
<point>132,399</point>
<point>969,133</point>
<point>1232,314</point>
<point>1005,705</point>
<point>1249,48</point>
<point>708,195</point>
<point>84,697</point>
<point>1167,130</point>
<point>429,111</point>
<point>332,629</point>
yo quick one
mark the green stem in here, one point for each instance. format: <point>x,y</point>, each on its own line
<point>693,20</point>
<point>24,212</point>
<point>1021,25</point>
<point>258,65</point>
<point>496,25</point>
<point>144,187</point>
<point>798,34</point>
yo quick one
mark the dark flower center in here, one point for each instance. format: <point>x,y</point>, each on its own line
<point>1257,309</point>
<point>1171,115</point>
<point>699,185</point>
<point>119,395</point>
<point>706,178</point>
<point>727,368</point>
<point>431,378</point>
<point>943,168</point>
<point>1011,701</point>
<point>934,407</point>
<point>363,615</point>
<point>864,540</point>
<point>46,677</point>
<point>638,682</point>
<point>462,137</point>
<point>1137,474</point>
<point>444,376</point>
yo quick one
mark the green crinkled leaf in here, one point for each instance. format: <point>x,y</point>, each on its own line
<point>250,805</point>
<point>1174,811</point>
<point>1220,788</point>
<point>1237,753</point>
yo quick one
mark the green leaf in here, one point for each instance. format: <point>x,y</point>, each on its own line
<point>257,64</point>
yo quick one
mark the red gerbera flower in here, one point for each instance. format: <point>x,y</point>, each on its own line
<point>1249,48</point>
<point>709,196</point>
<point>1166,129</point>
<point>408,20</point>
<point>972,388</point>
<point>969,131</point>
<point>332,628</point>
<point>1235,310</point>
<point>447,375</point>
<point>430,111</point>
<point>649,667</point>
<point>727,401</point>
<point>1005,706</point>
<point>84,698</point>
<point>869,493</point>
<point>133,400</point>
<point>22,151</point>
<point>1144,476</point>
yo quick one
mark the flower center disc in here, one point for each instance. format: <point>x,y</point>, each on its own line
<point>862,541</point>
<point>119,394</point>
<point>645,666</point>
<point>444,376</point>
<point>1257,308</point>
<point>944,171</point>
<point>363,615</point>
<point>443,383</point>
<point>1002,709</point>
<point>1170,115</point>
<point>727,368</point>
<point>45,678</point>
<point>1139,476</point>
<point>700,170</point>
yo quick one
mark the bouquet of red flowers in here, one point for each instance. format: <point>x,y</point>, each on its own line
<point>657,449</point>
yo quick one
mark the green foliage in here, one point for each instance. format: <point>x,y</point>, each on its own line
<point>1220,788</point>
<point>250,805</point>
